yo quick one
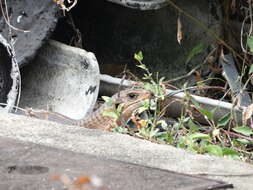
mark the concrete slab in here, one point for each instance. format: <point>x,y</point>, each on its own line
<point>125,148</point>
<point>30,166</point>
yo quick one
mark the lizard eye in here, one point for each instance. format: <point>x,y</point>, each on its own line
<point>132,96</point>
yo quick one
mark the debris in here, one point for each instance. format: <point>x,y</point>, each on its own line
<point>15,74</point>
<point>233,78</point>
<point>83,182</point>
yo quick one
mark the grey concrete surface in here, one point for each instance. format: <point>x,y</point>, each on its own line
<point>125,148</point>
<point>25,166</point>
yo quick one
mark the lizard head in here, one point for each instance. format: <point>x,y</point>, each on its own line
<point>129,97</point>
<point>132,100</point>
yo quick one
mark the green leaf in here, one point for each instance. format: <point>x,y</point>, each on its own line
<point>200,136</point>
<point>142,66</point>
<point>120,107</point>
<point>153,104</point>
<point>216,132</point>
<point>193,126</point>
<point>108,100</point>
<point>231,153</point>
<point>153,132</point>
<point>185,142</point>
<point>244,141</point>
<point>205,112</point>
<point>149,86</point>
<point>165,137</point>
<point>122,130</point>
<point>251,69</point>
<point>184,119</point>
<point>224,120</point>
<point>145,103</point>
<point>195,51</point>
<point>161,80</point>
<point>146,76</point>
<point>163,124</point>
<point>142,109</point>
<point>243,130</point>
<point>250,43</point>
<point>112,114</point>
<point>214,150</point>
<point>177,125</point>
<point>138,56</point>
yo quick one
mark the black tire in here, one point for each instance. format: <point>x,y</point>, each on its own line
<point>5,70</point>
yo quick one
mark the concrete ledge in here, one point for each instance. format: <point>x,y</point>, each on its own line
<point>125,148</point>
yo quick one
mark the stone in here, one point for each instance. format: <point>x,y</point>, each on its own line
<point>62,79</point>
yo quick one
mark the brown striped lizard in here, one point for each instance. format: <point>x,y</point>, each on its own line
<point>130,98</point>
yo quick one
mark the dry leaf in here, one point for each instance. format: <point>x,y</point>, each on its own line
<point>222,56</point>
<point>82,181</point>
<point>210,59</point>
<point>215,69</point>
<point>198,77</point>
<point>233,6</point>
<point>62,178</point>
<point>179,30</point>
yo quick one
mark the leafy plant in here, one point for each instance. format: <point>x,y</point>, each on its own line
<point>185,132</point>
<point>244,130</point>
<point>250,43</point>
<point>151,129</point>
<point>114,113</point>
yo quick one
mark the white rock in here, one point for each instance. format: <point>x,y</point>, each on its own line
<point>62,79</point>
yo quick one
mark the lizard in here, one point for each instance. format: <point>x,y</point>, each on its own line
<point>130,98</point>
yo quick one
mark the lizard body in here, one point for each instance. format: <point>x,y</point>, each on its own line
<point>130,98</point>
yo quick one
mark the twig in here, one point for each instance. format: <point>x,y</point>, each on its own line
<point>16,107</point>
<point>237,135</point>
<point>15,75</point>
<point>15,72</point>
<point>116,81</point>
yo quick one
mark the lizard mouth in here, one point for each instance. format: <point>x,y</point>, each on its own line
<point>131,109</point>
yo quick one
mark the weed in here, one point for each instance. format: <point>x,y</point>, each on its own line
<point>218,138</point>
